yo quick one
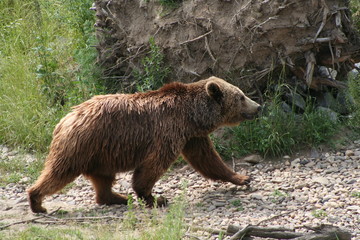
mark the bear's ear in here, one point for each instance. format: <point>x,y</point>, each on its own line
<point>214,91</point>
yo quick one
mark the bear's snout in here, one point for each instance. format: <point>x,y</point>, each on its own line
<point>259,109</point>
<point>252,115</point>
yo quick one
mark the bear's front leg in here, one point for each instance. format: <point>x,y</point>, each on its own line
<point>201,154</point>
<point>144,179</point>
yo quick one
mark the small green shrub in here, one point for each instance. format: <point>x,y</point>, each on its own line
<point>319,213</point>
<point>46,66</point>
<point>276,132</point>
<point>355,9</point>
<point>355,194</point>
<point>154,70</point>
<point>170,3</point>
<point>354,89</point>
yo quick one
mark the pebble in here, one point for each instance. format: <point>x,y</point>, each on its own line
<point>349,153</point>
<point>321,180</point>
<point>292,190</point>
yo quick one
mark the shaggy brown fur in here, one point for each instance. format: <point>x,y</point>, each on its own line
<point>144,132</point>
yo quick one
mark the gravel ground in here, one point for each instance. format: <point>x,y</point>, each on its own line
<point>294,192</point>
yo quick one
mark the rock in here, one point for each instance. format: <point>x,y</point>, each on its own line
<point>349,153</point>
<point>304,161</point>
<point>295,162</point>
<point>321,180</point>
<point>211,208</point>
<point>286,107</point>
<point>333,116</point>
<point>219,203</point>
<point>310,164</point>
<point>296,99</point>
<point>253,159</point>
<point>331,170</point>
<point>351,181</point>
<point>314,153</point>
<point>353,208</point>
<point>256,196</point>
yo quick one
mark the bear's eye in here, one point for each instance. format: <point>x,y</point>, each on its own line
<point>242,98</point>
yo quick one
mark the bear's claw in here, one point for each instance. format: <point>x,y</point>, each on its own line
<point>240,180</point>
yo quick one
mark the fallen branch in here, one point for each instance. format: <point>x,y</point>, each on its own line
<point>321,232</point>
<point>29,220</point>
<point>266,232</point>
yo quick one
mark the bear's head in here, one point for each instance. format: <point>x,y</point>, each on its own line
<point>236,106</point>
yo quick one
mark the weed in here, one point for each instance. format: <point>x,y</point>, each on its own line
<point>276,132</point>
<point>278,196</point>
<point>221,235</point>
<point>354,89</point>
<point>236,203</point>
<point>355,194</point>
<point>170,4</point>
<point>319,213</point>
<point>130,219</point>
<point>154,72</point>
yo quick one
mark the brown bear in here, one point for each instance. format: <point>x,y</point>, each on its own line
<point>144,132</point>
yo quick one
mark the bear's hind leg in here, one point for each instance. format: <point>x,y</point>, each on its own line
<point>104,195</point>
<point>48,183</point>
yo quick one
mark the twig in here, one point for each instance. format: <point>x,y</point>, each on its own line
<point>209,230</point>
<point>322,25</point>
<point>29,220</point>
<point>80,219</point>
<point>332,56</point>
<point>310,62</point>
<point>267,20</point>
<point>274,217</point>
<point>197,38</point>
<point>209,51</point>
<point>241,233</point>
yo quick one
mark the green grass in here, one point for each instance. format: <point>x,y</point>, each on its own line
<point>144,224</point>
<point>46,65</point>
<point>277,133</point>
<point>14,169</point>
<point>354,88</point>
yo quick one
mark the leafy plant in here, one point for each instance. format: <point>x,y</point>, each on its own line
<point>238,204</point>
<point>354,89</point>
<point>355,194</point>
<point>319,213</point>
<point>154,70</point>
<point>277,132</point>
<point>130,216</point>
<point>170,3</point>
<point>355,9</point>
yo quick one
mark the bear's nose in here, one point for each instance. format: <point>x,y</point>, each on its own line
<point>259,108</point>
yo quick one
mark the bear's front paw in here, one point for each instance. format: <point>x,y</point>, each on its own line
<point>240,179</point>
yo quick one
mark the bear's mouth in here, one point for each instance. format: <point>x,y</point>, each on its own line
<point>249,116</point>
